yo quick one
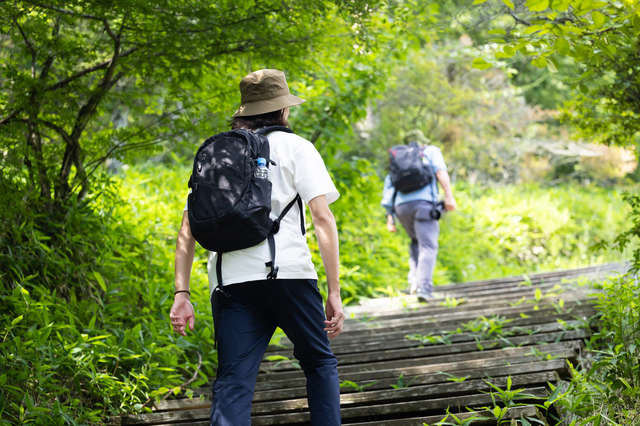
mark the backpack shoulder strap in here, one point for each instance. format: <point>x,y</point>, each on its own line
<point>273,274</point>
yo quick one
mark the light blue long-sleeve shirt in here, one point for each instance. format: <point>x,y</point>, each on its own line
<point>433,158</point>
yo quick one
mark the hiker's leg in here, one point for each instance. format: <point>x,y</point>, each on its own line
<point>243,331</point>
<point>406,213</point>
<point>301,316</point>
<point>427,231</point>
<point>413,266</point>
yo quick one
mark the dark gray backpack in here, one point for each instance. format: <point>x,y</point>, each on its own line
<point>407,170</point>
<point>229,203</point>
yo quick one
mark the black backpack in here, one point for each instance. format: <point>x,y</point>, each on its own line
<point>407,170</point>
<point>229,205</point>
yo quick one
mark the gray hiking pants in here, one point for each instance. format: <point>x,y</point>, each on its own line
<point>423,231</point>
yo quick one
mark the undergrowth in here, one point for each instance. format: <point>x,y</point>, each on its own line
<point>86,289</point>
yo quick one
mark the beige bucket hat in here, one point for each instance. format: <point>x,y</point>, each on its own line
<point>264,91</point>
<point>416,135</point>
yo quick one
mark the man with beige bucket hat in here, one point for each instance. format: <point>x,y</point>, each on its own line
<point>246,306</point>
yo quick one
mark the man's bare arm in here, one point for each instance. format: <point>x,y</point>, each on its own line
<point>182,312</point>
<point>445,183</point>
<point>327,233</point>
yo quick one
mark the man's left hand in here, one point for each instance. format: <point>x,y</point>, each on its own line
<point>335,316</point>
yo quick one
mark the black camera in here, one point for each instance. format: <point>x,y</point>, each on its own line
<point>437,210</point>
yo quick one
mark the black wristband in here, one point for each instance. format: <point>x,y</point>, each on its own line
<point>182,291</point>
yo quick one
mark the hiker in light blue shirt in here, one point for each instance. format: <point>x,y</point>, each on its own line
<point>414,211</point>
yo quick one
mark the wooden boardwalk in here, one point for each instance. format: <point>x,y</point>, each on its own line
<point>407,363</point>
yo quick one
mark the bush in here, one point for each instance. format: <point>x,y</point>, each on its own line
<point>497,231</point>
<point>86,295</point>
<point>607,390</point>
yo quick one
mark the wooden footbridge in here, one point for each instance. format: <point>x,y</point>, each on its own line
<point>484,350</point>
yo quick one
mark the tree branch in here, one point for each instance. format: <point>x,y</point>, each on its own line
<point>107,28</point>
<point>59,130</point>
<point>60,84</point>
<point>30,47</point>
<point>25,38</point>
<point>10,117</point>
<point>73,151</point>
<point>518,19</point>
<point>66,11</point>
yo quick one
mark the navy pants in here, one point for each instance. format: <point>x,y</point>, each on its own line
<point>245,319</point>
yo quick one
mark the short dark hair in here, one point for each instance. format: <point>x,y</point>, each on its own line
<point>253,122</point>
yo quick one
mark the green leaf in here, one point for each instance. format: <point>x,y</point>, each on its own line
<point>509,4</point>
<point>561,5</point>
<point>479,1</point>
<point>100,280</point>
<point>598,19</point>
<point>17,320</point>
<point>539,62</point>
<point>497,412</point>
<point>562,46</point>
<point>507,52</point>
<point>481,64</point>
<point>533,29</point>
<point>537,5</point>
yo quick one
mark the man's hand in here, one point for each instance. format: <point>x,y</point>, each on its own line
<point>450,203</point>
<point>391,225</point>
<point>182,314</point>
<point>335,321</point>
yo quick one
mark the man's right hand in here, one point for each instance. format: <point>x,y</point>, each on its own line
<point>450,204</point>
<point>182,314</point>
<point>391,225</point>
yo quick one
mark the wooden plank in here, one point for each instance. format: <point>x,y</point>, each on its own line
<point>512,413</point>
<point>551,366</point>
<point>400,340</point>
<point>557,274</point>
<point>416,399</point>
<point>386,411</point>
<point>517,356</point>
<point>544,310</point>
<point>408,393</point>
<point>400,363</point>
<point>428,351</point>
<point>525,305</point>
<point>381,396</point>
<point>426,325</point>
<point>440,306</point>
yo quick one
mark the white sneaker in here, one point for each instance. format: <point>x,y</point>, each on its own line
<point>424,297</point>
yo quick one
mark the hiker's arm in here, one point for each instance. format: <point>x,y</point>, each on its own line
<point>182,311</point>
<point>445,183</point>
<point>391,223</point>
<point>327,233</point>
<point>387,202</point>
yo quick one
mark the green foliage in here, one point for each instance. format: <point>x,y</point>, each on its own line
<point>346,384</point>
<point>84,82</point>
<point>607,391</point>
<point>601,40</point>
<point>631,235</point>
<point>476,117</point>
<point>523,229</point>
<point>85,312</point>
<point>372,262</point>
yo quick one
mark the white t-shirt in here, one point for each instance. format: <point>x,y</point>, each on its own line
<point>299,169</point>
